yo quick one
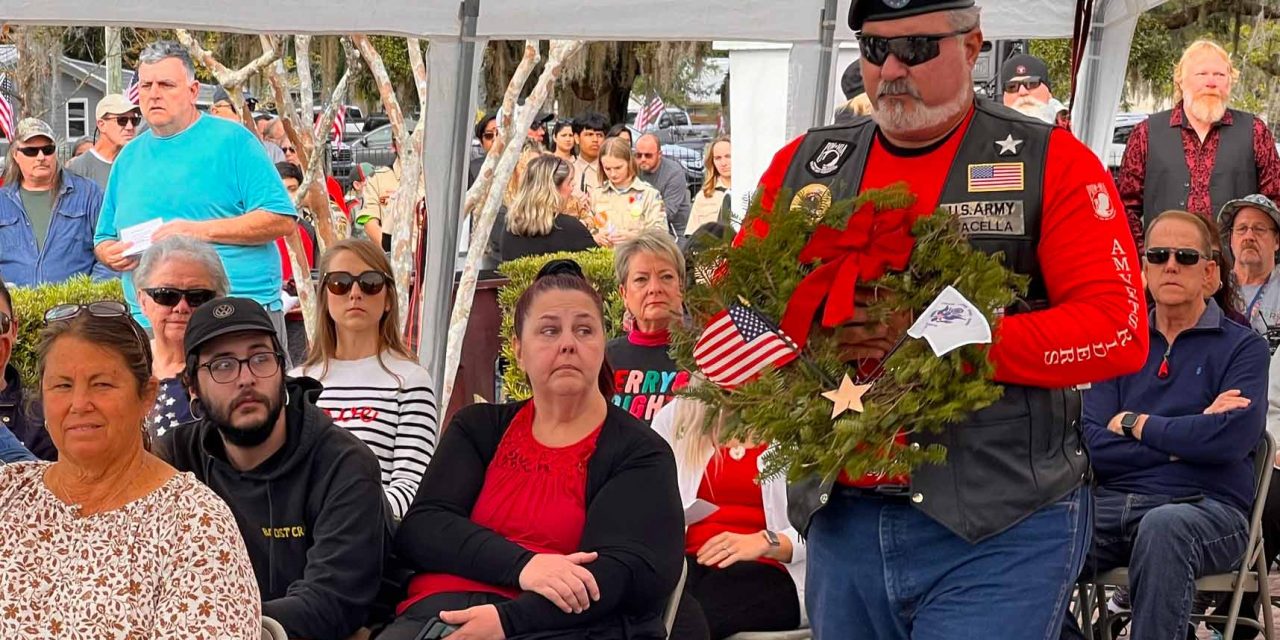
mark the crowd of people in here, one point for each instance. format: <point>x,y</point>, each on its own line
<point>192,461</point>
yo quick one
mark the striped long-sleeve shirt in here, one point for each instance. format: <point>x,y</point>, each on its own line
<point>394,412</point>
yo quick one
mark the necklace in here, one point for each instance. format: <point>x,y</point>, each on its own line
<point>737,452</point>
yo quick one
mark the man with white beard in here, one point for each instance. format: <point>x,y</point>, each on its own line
<point>1025,80</point>
<point>1199,155</point>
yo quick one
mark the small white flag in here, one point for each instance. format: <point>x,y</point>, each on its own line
<point>950,322</point>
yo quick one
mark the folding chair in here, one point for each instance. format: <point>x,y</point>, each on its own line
<point>669,616</point>
<point>1251,576</point>
<point>272,630</point>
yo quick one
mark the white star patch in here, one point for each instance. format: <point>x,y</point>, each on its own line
<point>1008,146</point>
<point>168,401</point>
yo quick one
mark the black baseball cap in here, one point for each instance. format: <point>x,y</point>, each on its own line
<point>851,81</point>
<point>223,316</point>
<point>1024,66</point>
<point>863,11</point>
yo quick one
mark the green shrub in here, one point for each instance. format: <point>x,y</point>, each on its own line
<point>597,264</point>
<point>30,303</point>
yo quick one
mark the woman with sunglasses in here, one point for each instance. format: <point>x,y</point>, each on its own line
<point>110,541</point>
<point>174,276</point>
<point>373,385</point>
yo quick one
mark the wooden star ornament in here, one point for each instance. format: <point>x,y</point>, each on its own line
<point>847,398</point>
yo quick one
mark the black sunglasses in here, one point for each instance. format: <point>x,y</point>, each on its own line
<point>1031,83</point>
<point>32,152</point>
<point>1185,257</point>
<point>6,323</point>
<point>910,50</point>
<point>339,283</point>
<point>170,296</point>
<point>489,135</point>
<point>289,149</point>
<point>124,121</point>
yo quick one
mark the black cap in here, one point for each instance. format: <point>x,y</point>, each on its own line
<point>222,316</point>
<point>1024,66</point>
<point>874,10</point>
<point>851,81</point>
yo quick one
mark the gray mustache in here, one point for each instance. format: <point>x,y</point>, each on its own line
<point>899,87</point>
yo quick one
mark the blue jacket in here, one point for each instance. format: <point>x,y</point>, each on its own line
<point>68,248</point>
<point>1184,452</point>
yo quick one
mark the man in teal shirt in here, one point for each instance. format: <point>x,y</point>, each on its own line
<point>205,177</point>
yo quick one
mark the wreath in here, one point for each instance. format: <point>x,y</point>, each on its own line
<point>798,279</point>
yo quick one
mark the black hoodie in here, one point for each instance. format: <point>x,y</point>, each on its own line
<point>313,516</point>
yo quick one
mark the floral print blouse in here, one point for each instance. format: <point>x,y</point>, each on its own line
<point>168,565</point>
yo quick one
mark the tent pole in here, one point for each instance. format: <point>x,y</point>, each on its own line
<point>443,219</point>
<point>826,54</point>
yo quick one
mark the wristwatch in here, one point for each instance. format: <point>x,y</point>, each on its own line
<point>1127,422</point>
<point>772,537</point>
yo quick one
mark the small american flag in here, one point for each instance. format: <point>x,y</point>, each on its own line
<point>339,124</point>
<point>132,92</point>
<point>6,117</point>
<point>650,113</point>
<point>998,176</point>
<point>737,345</point>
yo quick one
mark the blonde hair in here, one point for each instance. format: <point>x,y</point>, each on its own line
<point>860,105</point>
<point>618,149</point>
<point>517,176</point>
<point>690,437</point>
<point>709,165</point>
<point>1197,47</point>
<point>537,202</point>
<point>324,346</point>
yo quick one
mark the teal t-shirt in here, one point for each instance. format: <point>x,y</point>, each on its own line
<point>213,170</point>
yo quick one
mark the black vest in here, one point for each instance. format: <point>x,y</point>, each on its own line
<point>1168,181</point>
<point>1024,452</point>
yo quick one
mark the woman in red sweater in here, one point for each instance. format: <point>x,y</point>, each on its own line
<point>558,516</point>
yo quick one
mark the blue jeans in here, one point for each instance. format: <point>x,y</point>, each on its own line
<point>878,569</point>
<point>1166,544</point>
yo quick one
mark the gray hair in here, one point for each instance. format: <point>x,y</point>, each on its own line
<point>163,49</point>
<point>652,241</point>
<point>182,248</point>
<point>966,19</point>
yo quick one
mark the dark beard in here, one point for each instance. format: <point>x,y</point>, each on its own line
<point>248,436</point>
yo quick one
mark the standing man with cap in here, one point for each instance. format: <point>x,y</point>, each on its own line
<point>1250,226</point>
<point>1025,82</point>
<point>989,543</point>
<point>306,494</point>
<point>117,122</point>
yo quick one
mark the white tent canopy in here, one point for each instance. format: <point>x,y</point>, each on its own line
<point>453,61</point>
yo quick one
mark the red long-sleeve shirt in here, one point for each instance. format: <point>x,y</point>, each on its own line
<point>1096,325</point>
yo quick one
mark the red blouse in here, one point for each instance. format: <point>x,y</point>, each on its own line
<point>731,485</point>
<point>534,495</point>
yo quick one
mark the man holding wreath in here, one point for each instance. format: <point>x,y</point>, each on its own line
<point>989,543</point>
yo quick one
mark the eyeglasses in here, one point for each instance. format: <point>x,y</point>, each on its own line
<point>263,364</point>
<point>1257,230</point>
<point>32,152</point>
<point>339,283</point>
<point>1184,257</point>
<point>99,309</point>
<point>124,121</point>
<point>1031,83</point>
<point>646,155</point>
<point>910,50</point>
<point>170,296</point>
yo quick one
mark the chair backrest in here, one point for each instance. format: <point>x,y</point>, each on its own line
<point>272,630</point>
<point>1263,465</point>
<point>669,616</point>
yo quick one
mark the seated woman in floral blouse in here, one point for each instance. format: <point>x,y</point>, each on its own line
<point>109,541</point>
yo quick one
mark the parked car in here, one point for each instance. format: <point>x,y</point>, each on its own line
<point>689,156</point>
<point>1125,124</point>
<point>674,126</point>
<point>373,147</point>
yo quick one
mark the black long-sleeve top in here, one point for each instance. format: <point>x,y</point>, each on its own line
<point>634,521</point>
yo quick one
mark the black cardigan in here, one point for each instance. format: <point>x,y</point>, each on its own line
<point>634,521</point>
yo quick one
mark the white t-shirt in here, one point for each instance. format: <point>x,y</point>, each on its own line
<point>394,412</point>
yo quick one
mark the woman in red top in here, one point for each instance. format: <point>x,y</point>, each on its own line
<point>746,562</point>
<point>558,516</point>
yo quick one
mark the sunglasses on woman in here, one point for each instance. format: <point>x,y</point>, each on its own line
<point>170,296</point>
<point>909,50</point>
<point>339,283</point>
<point>32,152</point>
<point>99,309</point>
<point>1184,257</point>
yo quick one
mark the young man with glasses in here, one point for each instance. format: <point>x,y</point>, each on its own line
<point>47,214</point>
<point>306,493</point>
<point>117,124</point>
<point>990,541</point>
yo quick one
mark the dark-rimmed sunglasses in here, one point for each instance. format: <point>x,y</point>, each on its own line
<point>1184,257</point>
<point>1031,83</point>
<point>126,120</point>
<point>170,296</point>
<point>99,309</point>
<point>31,152</point>
<point>909,50</point>
<point>263,364</point>
<point>6,323</point>
<point>339,283</point>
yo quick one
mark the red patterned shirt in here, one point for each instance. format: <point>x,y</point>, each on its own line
<point>1200,157</point>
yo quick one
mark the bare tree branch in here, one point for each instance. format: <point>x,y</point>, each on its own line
<point>477,192</point>
<point>302,58</point>
<point>230,80</point>
<point>388,94</point>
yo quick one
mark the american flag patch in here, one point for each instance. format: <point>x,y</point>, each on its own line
<point>997,176</point>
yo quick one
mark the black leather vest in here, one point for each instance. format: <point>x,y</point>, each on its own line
<point>1168,181</point>
<point>1025,451</point>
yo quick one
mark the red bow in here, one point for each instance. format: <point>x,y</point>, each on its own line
<point>871,242</point>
